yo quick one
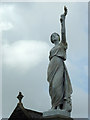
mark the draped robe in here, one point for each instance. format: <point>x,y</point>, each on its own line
<point>60,88</point>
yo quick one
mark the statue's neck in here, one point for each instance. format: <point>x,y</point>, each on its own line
<point>56,43</point>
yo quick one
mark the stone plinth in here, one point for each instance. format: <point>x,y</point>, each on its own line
<point>57,114</point>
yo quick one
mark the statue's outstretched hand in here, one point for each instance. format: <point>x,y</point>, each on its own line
<point>63,15</point>
<point>65,10</point>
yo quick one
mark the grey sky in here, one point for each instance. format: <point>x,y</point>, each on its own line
<point>25,42</point>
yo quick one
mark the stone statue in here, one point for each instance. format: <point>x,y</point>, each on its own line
<point>60,88</point>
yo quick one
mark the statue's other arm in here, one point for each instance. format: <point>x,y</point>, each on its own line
<point>63,31</point>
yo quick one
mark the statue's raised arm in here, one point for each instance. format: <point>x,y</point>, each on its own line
<point>62,19</point>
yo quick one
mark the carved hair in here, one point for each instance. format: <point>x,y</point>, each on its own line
<point>53,34</point>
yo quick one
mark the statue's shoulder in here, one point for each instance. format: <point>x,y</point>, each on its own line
<point>63,44</point>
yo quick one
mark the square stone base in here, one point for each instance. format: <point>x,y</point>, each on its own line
<point>56,114</point>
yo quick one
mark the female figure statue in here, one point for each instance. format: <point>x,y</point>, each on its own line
<point>60,88</point>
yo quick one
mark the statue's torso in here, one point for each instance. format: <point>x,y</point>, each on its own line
<point>59,50</point>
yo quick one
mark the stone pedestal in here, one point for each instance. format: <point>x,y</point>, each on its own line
<point>60,114</point>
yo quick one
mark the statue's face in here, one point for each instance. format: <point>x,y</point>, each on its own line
<point>55,38</point>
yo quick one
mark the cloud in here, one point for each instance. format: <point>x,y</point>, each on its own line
<point>24,54</point>
<point>6,13</point>
<point>25,25</point>
<point>78,74</point>
<point>77,31</point>
<point>80,103</point>
<point>5,26</point>
<point>86,69</point>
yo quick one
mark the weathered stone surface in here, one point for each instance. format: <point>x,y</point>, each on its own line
<point>56,113</point>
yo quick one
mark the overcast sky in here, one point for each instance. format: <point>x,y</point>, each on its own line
<point>25,49</point>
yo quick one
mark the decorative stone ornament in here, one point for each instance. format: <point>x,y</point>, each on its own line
<point>20,96</point>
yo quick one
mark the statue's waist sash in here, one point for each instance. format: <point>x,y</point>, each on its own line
<point>59,57</point>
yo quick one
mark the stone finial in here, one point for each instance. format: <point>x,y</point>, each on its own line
<point>20,96</point>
